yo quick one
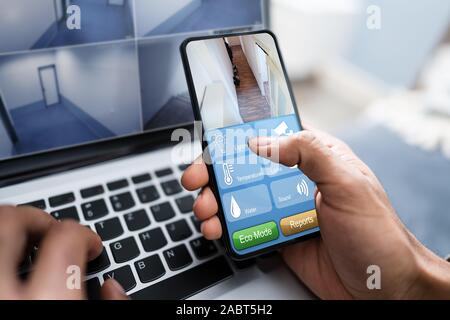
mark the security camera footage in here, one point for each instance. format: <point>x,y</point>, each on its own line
<point>110,69</point>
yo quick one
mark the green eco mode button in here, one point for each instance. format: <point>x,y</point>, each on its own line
<point>253,236</point>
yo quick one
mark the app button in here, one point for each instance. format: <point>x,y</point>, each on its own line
<point>299,222</point>
<point>292,190</point>
<point>246,203</point>
<point>283,126</point>
<point>253,236</point>
<point>232,173</point>
<point>283,130</point>
<point>229,141</point>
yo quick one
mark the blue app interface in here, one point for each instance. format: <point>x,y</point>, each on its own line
<point>264,203</point>
<point>241,91</point>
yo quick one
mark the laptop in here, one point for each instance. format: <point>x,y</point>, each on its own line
<point>90,94</point>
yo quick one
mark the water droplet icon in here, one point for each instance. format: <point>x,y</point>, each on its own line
<point>235,209</point>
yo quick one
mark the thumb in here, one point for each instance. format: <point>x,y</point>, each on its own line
<point>112,290</point>
<point>305,149</point>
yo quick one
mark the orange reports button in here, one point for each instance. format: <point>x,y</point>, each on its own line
<point>299,222</point>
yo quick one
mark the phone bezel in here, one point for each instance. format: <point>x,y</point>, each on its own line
<point>212,178</point>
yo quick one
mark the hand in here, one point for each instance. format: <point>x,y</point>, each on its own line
<point>359,227</point>
<point>62,244</point>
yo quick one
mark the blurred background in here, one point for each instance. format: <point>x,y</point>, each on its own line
<point>377,74</point>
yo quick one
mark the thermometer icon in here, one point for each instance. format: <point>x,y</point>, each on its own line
<point>227,171</point>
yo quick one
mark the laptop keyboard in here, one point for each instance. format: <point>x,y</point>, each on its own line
<point>152,241</point>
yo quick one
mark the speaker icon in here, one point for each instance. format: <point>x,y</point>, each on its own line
<point>302,188</point>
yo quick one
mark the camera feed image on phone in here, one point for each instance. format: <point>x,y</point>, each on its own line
<point>238,80</point>
<point>242,92</point>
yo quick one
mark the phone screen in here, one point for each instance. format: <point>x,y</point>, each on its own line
<point>239,90</point>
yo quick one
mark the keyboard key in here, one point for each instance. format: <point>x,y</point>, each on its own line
<point>93,289</point>
<point>147,194</point>
<point>137,220</point>
<point>153,239</point>
<point>62,199</point>
<point>178,257</point>
<point>187,283</point>
<point>150,269</point>
<point>122,275</point>
<point>141,178</point>
<point>203,248</point>
<point>171,187</point>
<point>92,191</point>
<point>163,172</point>
<point>94,209</point>
<point>124,250</point>
<point>197,223</point>
<point>67,213</point>
<point>183,167</point>
<point>185,203</point>
<point>109,229</point>
<point>39,204</point>
<point>179,230</point>
<point>99,264</point>
<point>116,185</point>
<point>122,202</point>
<point>162,212</point>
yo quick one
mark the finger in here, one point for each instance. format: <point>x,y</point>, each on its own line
<point>326,138</point>
<point>205,206</point>
<point>339,147</point>
<point>211,228</point>
<point>18,225</point>
<point>196,175</point>
<point>304,149</point>
<point>62,257</point>
<point>112,290</point>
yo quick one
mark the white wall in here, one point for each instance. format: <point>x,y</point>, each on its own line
<point>210,64</point>
<point>103,82</point>
<point>267,43</point>
<point>161,72</point>
<point>151,13</point>
<point>19,77</point>
<point>23,22</point>
<point>249,48</point>
<point>252,58</point>
<point>322,30</point>
<point>6,145</point>
<point>410,30</point>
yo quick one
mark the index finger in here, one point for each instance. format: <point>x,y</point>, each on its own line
<point>196,175</point>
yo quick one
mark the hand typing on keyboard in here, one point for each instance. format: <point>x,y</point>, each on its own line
<point>61,245</point>
<point>359,227</point>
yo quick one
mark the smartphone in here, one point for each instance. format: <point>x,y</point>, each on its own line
<point>239,89</point>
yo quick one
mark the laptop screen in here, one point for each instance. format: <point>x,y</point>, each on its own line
<point>81,71</point>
